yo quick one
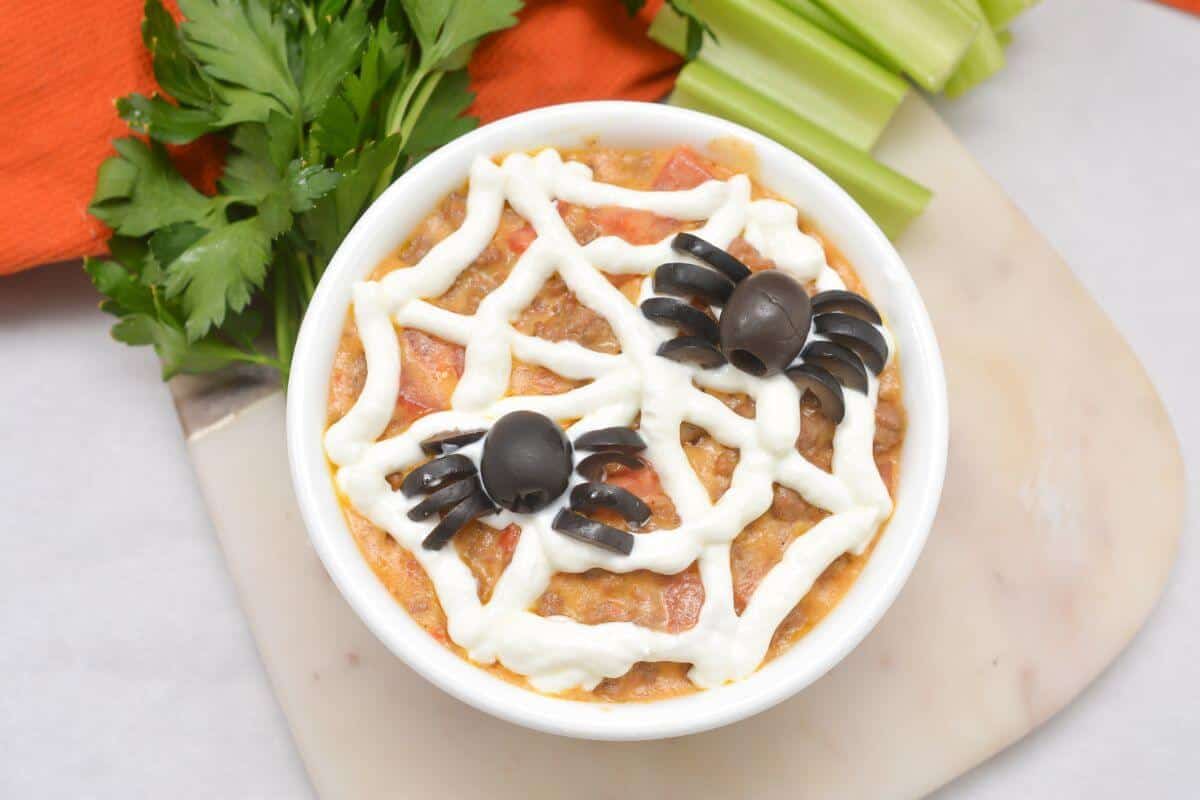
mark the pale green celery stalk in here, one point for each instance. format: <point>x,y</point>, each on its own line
<point>891,199</point>
<point>984,58</point>
<point>829,23</point>
<point>926,38</point>
<point>1002,12</point>
<point>795,64</point>
<point>1004,38</point>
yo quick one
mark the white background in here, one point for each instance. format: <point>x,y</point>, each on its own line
<point>126,668</point>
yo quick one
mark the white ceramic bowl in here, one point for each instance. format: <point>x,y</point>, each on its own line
<point>642,125</point>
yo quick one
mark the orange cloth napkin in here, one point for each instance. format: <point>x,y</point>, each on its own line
<point>62,64</point>
<point>564,50</point>
<point>1187,5</point>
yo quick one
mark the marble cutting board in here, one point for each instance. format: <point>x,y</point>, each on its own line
<point>1059,521</point>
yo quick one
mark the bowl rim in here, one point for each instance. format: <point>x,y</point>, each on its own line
<point>622,123</point>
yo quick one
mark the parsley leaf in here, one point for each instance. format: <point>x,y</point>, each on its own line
<point>348,118</point>
<point>169,243</point>
<point>251,172</point>
<point>338,130</point>
<point>176,352</point>
<point>255,175</point>
<point>697,28</point>
<point>174,67</point>
<point>140,190</point>
<point>243,44</point>
<point>332,218</point>
<point>218,273</point>
<point>329,55</point>
<point>119,285</point>
<point>164,121</point>
<point>469,20</point>
<point>306,185</point>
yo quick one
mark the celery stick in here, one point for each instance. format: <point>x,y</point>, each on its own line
<point>829,23</point>
<point>795,64</point>
<point>926,37</point>
<point>1004,38</point>
<point>984,58</point>
<point>1001,12</point>
<point>891,199</point>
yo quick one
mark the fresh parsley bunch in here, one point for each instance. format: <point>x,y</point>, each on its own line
<point>323,103</point>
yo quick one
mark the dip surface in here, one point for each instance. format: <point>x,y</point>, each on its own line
<point>430,368</point>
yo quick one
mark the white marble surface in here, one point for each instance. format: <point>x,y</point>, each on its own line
<point>106,695</point>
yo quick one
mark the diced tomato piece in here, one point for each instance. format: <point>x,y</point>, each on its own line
<point>508,540</point>
<point>628,285</point>
<point>520,239</point>
<point>642,482</point>
<point>635,227</point>
<point>683,598</point>
<point>684,170</point>
<point>530,379</point>
<point>408,412</point>
<point>645,484</point>
<point>413,569</point>
<point>886,467</point>
<point>430,369</point>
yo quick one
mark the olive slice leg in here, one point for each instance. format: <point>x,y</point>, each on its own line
<point>689,319</point>
<point>688,280</point>
<point>843,362</point>
<point>593,496</point>
<point>473,507</point>
<point>692,350</point>
<point>822,384</point>
<point>594,465</point>
<point>847,303</point>
<point>861,337</point>
<point>589,531</point>
<point>712,255</point>
<point>615,438</point>
<point>437,473</point>
<point>441,442</point>
<point>444,498</point>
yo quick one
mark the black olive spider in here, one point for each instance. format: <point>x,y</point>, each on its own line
<point>765,324</point>
<point>526,465</point>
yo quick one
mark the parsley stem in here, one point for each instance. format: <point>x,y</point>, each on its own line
<point>283,322</point>
<point>258,358</point>
<point>396,110</point>
<point>406,114</point>
<point>300,141</point>
<point>307,278</point>
<point>397,117</point>
<point>418,105</point>
<point>310,21</point>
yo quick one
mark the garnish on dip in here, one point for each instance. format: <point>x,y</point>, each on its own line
<point>525,465</point>
<point>766,324</point>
